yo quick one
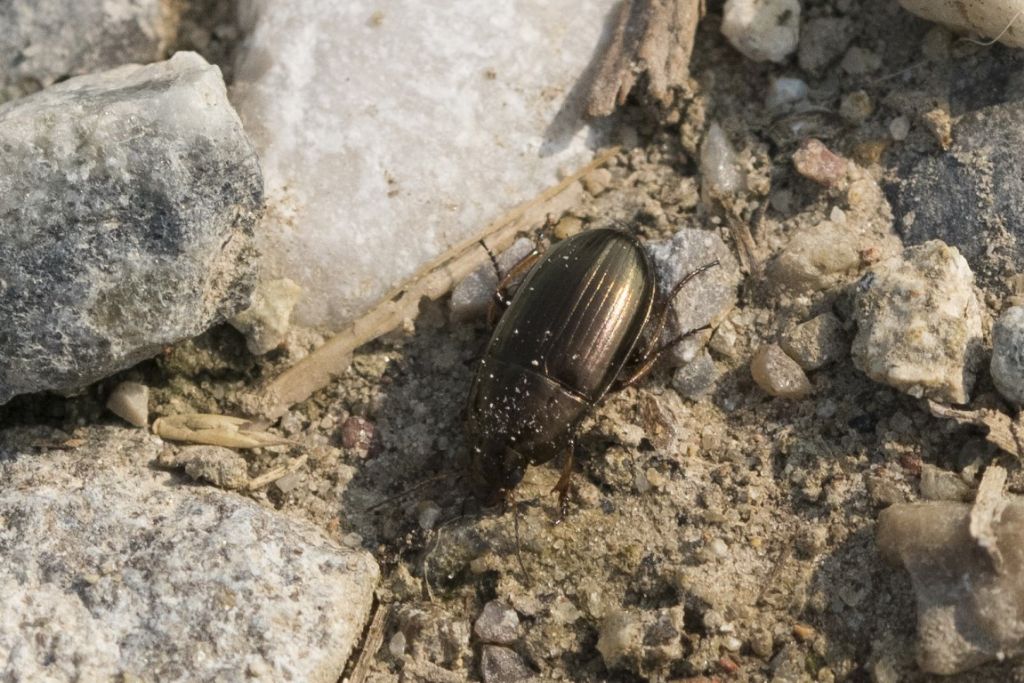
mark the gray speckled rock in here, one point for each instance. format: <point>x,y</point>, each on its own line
<point>127,205</point>
<point>919,323</point>
<point>972,196</point>
<point>706,299</point>
<point>1008,354</point>
<point>44,40</point>
<point>110,570</point>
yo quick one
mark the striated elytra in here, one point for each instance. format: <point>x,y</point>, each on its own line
<point>570,334</point>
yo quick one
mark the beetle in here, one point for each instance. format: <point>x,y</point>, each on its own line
<point>567,337</point>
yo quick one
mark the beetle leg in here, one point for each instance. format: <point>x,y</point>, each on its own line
<point>659,325</point>
<point>564,485</point>
<point>652,358</point>
<point>501,299</point>
<point>653,352</point>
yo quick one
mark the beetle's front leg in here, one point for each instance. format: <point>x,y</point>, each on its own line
<point>500,299</point>
<point>564,484</point>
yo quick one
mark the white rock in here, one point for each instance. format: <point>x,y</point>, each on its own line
<point>763,30</point>
<point>919,323</point>
<point>704,300</point>
<point>130,402</point>
<point>388,136</point>
<point>719,166</point>
<point>112,570</point>
<point>784,92</point>
<point>1000,19</point>
<point>899,128</point>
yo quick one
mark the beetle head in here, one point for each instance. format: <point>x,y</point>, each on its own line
<point>496,470</point>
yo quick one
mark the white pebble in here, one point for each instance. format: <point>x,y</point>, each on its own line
<point>130,402</point>
<point>763,30</point>
<point>899,128</point>
<point>785,91</point>
<point>718,163</point>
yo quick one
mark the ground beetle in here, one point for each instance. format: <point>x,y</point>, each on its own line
<point>572,328</point>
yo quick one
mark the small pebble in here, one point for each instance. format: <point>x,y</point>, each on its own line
<point>732,643</point>
<point>939,484</point>
<point>803,632</point>
<point>822,41</point>
<point>778,374</point>
<point>564,612</point>
<point>899,128</point>
<point>695,379</point>
<point>357,433</point>
<point>762,30</point>
<point>784,92</point>
<point>498,623</point>
<point>567,227</point>
<point>288,482</point>
<point>811,541</point>
<point>816,162</point>
<point>883,491</point>
<point>719,165</point>
<point>656,479</point>
<point>762,644</point>
<point>427,514</point>
<point>856,107</point>
<point>396,646</point>
<point>817,342</point>
<point>502,665</point>
<point>130,402</point>
<point>940,125</point>
<point>1007,366</point>
<point>597,181</point>
<point>858,62</point>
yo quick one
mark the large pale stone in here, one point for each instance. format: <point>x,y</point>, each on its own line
<point>966,562</point>
<point>389,133</point>
<point>995,19</point>
<point>127,205</point>
<point>111,570</point>
<point>919,323</point>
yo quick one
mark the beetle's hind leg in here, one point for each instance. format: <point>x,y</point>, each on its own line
<point>564,484</point>
<point>650,356</point>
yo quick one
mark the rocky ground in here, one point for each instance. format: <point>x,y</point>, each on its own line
<point>720,528</point>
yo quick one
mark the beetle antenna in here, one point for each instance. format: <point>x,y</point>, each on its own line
<point>412,489</point>
<point>494,259</point>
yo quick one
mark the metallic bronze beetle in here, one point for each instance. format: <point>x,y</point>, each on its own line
<point>571,334</point>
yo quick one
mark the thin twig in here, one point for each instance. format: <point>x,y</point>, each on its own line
<point>433,281</point>
<point>275,473</point>
<point>371,644</point>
